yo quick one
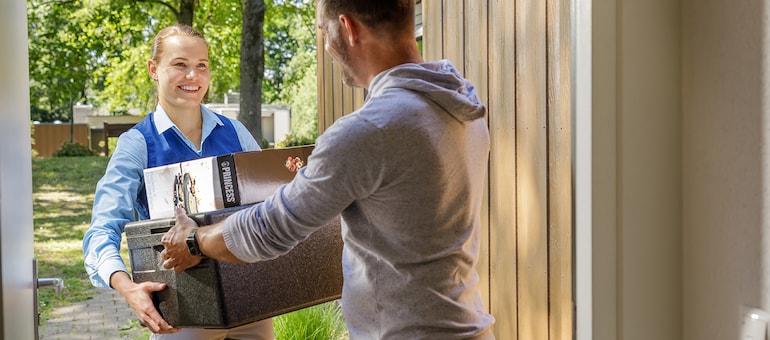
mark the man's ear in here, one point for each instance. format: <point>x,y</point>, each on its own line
<point>351,29</point>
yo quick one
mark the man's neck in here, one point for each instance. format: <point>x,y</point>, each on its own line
<point>380,57</point>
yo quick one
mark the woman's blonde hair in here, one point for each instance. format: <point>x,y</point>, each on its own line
<point>158,43</point>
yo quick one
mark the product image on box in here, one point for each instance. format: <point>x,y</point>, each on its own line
<point>216,294</point>
<point>214,183</point>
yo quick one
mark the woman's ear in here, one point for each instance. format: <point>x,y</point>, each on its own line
<point>152,69</point>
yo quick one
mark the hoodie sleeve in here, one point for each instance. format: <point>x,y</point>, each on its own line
<point>345,165</point>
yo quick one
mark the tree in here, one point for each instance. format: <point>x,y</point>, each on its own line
<point>252,66</point>
<point>184,11</point>
<point>59,72</point>
<point>75,46</point>
<point>289,32</point>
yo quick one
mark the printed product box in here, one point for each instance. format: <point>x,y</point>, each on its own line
<point>214,183</point>
<point>224,295</point>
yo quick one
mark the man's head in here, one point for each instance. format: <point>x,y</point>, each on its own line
<point>365,37</point>
<point>383,16</point>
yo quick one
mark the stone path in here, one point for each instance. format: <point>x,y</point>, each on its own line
<point>106,316</point>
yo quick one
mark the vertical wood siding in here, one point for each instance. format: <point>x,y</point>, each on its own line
<point>517,53</point>
<point>560,262</point>
<point>502,169</point>
<point>334,98</point>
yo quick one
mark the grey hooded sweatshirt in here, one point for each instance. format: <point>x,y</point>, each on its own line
<point>406,173</point>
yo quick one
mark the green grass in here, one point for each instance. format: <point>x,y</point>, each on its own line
<point>63,194</point>
<point>321,322</point>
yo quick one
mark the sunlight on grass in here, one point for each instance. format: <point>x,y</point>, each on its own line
<point>61,252</point>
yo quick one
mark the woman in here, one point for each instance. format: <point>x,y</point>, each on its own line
<point>179,129</point>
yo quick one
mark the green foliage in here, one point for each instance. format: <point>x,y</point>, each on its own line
<point>72,44</point>
<point>264,144</point>
<point>293,139</point>
<point>289,31</point>
<point>294,81</point>
<point>220,22</point>
<point>302,95</point>
<point>70,149</point>
<point>320,322</point>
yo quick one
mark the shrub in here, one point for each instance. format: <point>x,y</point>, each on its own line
<point>70,149</point>
<point>293,139</point>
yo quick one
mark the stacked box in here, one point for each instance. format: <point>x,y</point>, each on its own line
<point>214,183</point>
<point>215,294</point>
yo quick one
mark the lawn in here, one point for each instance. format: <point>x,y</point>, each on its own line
<point>63,193</point>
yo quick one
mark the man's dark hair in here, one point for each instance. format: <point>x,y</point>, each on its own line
<point>382,15</point>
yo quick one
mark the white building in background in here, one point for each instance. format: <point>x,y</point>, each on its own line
<point>276,119</point>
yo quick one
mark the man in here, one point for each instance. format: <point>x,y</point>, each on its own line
<point>406,172</point>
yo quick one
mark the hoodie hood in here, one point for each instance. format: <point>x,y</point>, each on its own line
<point>439,81</point>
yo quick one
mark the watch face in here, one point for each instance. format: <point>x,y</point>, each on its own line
<point>192,245</point>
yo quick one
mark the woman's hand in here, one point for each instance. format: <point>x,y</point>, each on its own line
<point>139,297</point>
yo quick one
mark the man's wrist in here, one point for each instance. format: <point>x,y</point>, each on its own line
<point>192,243</point>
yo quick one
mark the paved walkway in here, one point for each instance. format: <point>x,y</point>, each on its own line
<point>105,317</point>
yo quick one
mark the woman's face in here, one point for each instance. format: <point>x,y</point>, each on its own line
<point>182,73</point>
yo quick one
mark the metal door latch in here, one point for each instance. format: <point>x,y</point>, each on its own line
<point>56,283</point>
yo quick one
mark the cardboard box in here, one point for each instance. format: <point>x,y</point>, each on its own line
<point>224,295</point>
<point>214,183</point>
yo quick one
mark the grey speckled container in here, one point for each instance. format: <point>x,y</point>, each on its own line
<point>223,295</point>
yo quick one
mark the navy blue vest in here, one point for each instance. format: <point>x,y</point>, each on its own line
<point>169,147</point>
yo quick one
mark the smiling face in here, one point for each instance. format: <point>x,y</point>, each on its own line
<point>182,73</point>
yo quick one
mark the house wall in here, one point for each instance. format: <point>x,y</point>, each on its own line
<point>637,170</point>
<point>725,165</point>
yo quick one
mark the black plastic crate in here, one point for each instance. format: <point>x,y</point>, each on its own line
<point>216,294</point>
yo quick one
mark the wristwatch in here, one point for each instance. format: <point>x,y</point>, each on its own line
<point>192,244</point>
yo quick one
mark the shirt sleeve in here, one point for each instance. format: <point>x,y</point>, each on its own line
<point>114,201</point>
<point>248,143</point>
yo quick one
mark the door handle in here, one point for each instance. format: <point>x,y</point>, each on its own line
<point>56,283</point>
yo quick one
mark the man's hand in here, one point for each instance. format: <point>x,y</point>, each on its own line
<point>176,255</point>
<point>139,297</point>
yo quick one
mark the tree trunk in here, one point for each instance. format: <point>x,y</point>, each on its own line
<point>186,10</point>
<point>252,66</point>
